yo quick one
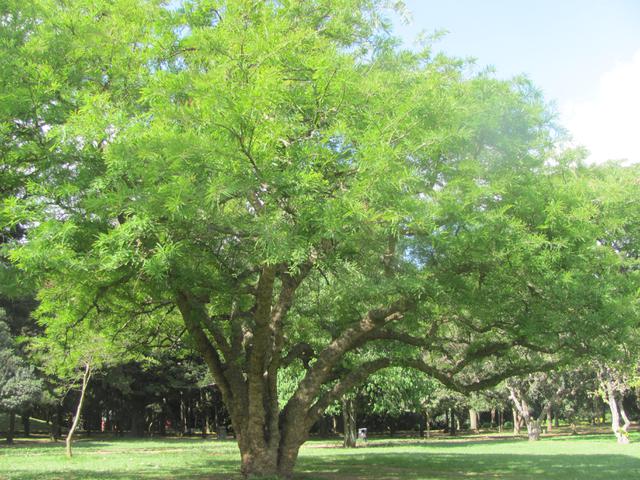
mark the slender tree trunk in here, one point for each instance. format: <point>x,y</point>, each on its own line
<point>446,421</point>
<point>500,420</point>
<point>625,419</point>
<point>76,419</point>
<point>549,423</point>
<point>516,422</point>
<point>493,418</point>
<point>428,423</point>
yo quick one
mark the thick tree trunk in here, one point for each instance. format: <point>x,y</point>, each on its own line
<point>12,427</point>
<point>76,418</point>
<point>244,363</point>
<point>349,418</point>
<point>549,423</point>
<point>473,420</point>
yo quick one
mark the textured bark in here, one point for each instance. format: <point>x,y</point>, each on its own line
<point>349,420</point>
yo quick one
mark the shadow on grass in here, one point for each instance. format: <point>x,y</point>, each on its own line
<point>426,460</point>
<point>423,466</point>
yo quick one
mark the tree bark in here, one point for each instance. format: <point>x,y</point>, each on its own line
<point>12,427</point>
<point>349,419</point>
<point>76,419</point>
<point>522,408</point>
<point>453,419</point>
<point>428,423</point>
<point>615,407</point>
<point>516,422</point>
<point>473,420</point>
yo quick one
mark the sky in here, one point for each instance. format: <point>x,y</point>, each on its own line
<point>583,54</point>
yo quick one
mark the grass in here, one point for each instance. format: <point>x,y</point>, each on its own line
<point>583,457</point>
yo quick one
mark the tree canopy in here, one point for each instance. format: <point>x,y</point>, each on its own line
<point>305,197</point>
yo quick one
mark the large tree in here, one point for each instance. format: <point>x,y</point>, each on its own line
<point>308,198</point>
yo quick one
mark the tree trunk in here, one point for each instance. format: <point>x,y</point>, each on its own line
<point>12,427</point>
<point>549,423</point>
<point>26,424</point>
<point>516,422</point>
<point>452,418</point>
<point>76,418</point>
<point>620,432</point>
<point>627,423</point>
<point>493,417</point>
<point>427,423</point>
<point>349,419</point>
<point>522,408</point>
<point>473,420</point>
<point>500,420</point>
<point>447,423</point>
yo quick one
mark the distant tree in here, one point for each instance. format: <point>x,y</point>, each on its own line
<point>19,386</point>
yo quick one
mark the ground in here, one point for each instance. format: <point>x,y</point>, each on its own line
<point>582,457</point>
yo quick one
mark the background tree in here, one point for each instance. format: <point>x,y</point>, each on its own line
<point>19,386</point>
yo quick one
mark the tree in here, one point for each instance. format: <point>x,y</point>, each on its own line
<point>301,194</point>
<point>19,386</point>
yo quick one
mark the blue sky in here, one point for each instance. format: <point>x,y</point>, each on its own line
<point>583,54</point>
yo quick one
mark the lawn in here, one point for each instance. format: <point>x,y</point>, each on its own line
<point>581,457</point>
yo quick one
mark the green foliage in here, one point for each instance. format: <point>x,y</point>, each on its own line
<point>157,154</point>
<point>19,386</point>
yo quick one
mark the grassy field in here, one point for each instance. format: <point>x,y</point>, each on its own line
<point>580,457</point>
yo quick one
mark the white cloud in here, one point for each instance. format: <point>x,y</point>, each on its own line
<point>609,123</point>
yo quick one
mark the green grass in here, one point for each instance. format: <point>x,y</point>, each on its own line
<point>582,457</point>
